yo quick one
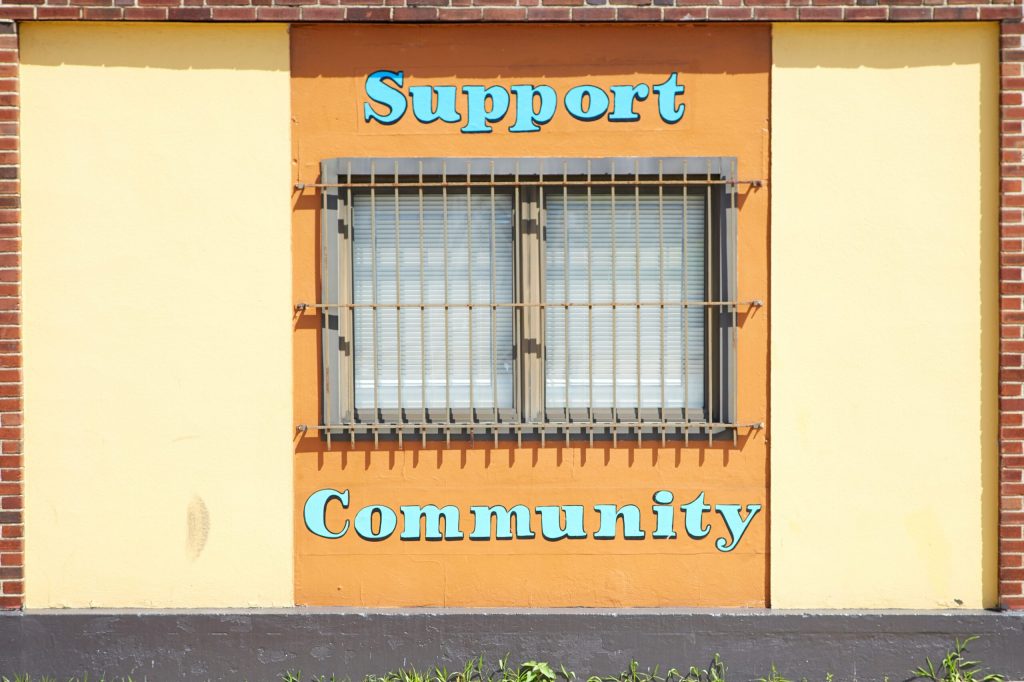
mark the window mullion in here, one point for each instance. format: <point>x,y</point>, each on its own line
<point>530,286</point>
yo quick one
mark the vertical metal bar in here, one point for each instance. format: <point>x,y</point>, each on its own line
<point>565,287</point>
<point>615,314</point>
<point>469,289</point>
<point>590,305</point>
<point>332,355</point>
<point>423,316</point>
<point>661,293</point>
<point>539,320</point>
<point>517,313</point>
<point>685,310</point>
<point>708,294</point>
<point>731,291</point>
<point>636,274</point>
<point>447,356</point>
<point>398,308</point>
<point>373,283</point>
<point>349,315</point>
<point>493,316</point>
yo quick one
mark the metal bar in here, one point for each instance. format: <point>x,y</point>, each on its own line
<point>565,286</point>
<point>684,312</point>
<point>350,327</point>
<point>709,358</point>
<point>661,295</point>
<point>469,287</point>
<point>540,373</point>
<point>423,317</point>
<point>494,314</point>
<point>615,335</point>
<point>373,290</point>
<point>398,301</point>
<point>590,308</point>
<point>729,290</point>
<point>517,292</point>
<point>509,427</point>
<point>447,356</point>
<point>755,303</point>
<point>636,275</point>
<point>330,353</point>
<point>512,183</point>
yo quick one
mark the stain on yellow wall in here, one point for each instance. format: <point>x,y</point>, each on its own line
<point>884,321</point>
<point>157,315</point>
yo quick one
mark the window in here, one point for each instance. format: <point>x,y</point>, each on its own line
<point>529,297</point>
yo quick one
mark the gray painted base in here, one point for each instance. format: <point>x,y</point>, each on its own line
<point>261,644</point>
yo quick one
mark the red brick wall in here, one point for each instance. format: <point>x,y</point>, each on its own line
<point>1011,365</point>
<point>513,10</point>
<point>11,524</point>
<point>1011,361</point>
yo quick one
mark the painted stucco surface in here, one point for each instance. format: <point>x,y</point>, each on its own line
<point>884,317</point>
<point>726,77</point>
<point>157,323</point>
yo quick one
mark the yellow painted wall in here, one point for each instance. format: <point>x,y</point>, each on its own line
<point>884,316</point>
<point>157,319</point>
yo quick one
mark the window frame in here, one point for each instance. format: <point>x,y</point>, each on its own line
<point>528,179</point>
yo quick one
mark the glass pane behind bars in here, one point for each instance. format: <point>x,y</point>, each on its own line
<point>472,264</point>
<point>601,268</point>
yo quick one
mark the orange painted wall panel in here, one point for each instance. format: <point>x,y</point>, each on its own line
<point>726,73</point>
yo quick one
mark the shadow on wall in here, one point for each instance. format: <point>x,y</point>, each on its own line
<point>877,50</point>
<point>121,45</point>
<point>507,455</point>
<point>483,51</point>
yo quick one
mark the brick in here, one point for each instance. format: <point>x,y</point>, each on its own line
<point>17,13</point>
<point>647,13</point>
<point>189,13</point>
<point>685,14</point>
<point>776,13</point>
<point>102,13</point>
<point>866,13</point>
<point>821,13</point>
<point>12,559</point>
<point>414,14</point>
<point>595,13</point>
<point>12,531</point>
<point>504,14</point>
<point>145,13</point>
<point>323,13</point>
<point>234,13</point>
<point>549,13</point>
<point>460,14</point>
<point>369,13</point>
<point>59,13</point>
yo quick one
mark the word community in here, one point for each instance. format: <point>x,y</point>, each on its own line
<point>377,522</point>
<point>532,105</point>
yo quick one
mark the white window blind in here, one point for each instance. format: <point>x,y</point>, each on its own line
<point>648,249</point>
<point>435,250</point>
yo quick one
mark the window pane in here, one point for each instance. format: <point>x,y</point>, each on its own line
<point>474,266</point>
<point>593,256</point>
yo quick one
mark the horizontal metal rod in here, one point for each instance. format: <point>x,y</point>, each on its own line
<point>528,182</point>
<point>513,427</point>
<point>756,303</point>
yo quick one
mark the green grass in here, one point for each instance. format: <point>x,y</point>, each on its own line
<point>954,666</point>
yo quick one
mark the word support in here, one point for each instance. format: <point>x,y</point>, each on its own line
<point>532,106</point>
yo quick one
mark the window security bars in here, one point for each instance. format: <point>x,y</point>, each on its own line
<point>529,297</point>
